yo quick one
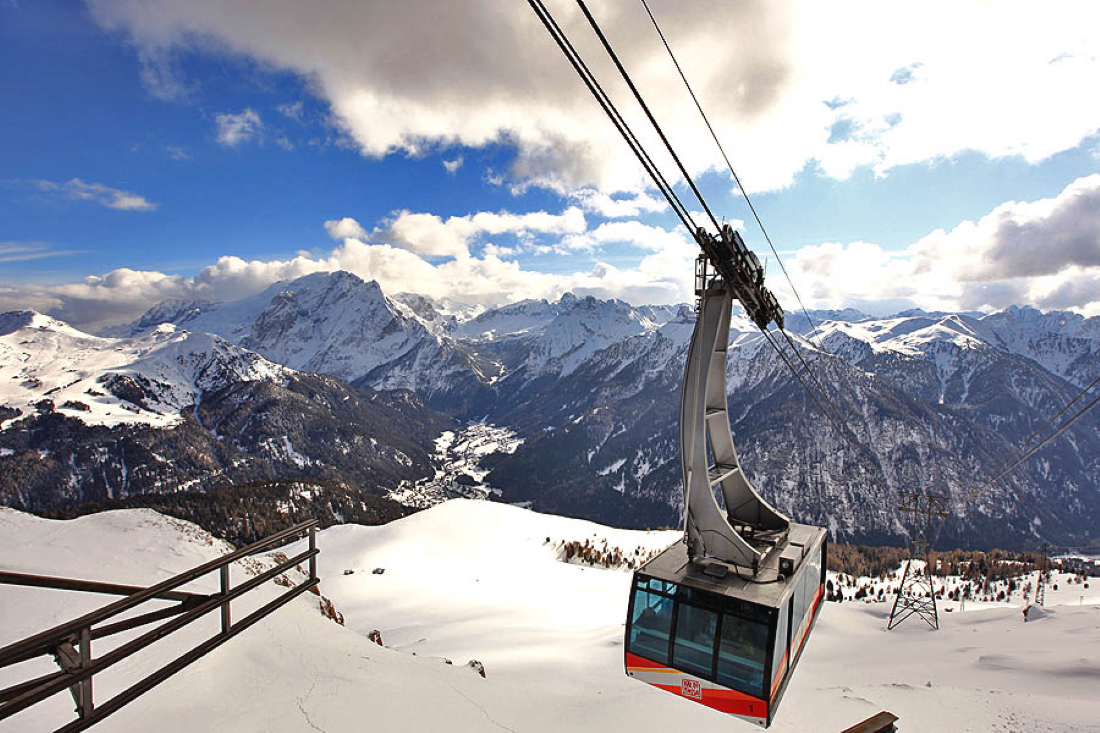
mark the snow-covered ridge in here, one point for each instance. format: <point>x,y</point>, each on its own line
<point>337,324</point>
<point>147,379</point>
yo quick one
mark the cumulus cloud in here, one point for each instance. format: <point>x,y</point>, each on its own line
<point>1045,253</point>
<point>98,193</point>
<point>642,236</point>
<point>915,86</point>
<point>977,265</point>
<point>410,262</point>
<point>618,207</point>
<point>234,129</point>
<point>432,236</point>
<point>346,228</point>
<point>452,166</point>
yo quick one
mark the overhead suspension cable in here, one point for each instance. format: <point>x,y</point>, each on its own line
<point>736,178</point>
<point>1048,423</point>
<point>752,208</point>
<point>813,377</point>
<point>612,112</point>
<point>837,422</point>
<point>1047,439</point>
<point>645,108</point>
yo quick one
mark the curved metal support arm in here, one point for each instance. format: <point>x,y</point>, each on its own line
<point>708,455</point>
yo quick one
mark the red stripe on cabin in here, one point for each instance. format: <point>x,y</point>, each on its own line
<point>725,701</point>
<point>633,660</point>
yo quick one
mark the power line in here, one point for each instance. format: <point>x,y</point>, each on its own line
<point>736,178</point>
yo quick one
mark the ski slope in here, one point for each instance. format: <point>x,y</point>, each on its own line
<point>477,580</point>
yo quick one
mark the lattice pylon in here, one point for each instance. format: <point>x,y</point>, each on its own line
<point>917,593</point>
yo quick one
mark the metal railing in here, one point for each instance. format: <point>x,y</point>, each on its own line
<point>70,643</point>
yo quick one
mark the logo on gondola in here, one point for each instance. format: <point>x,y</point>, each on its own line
<point>692,689</point>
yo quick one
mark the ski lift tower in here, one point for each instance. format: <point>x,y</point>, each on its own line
<point>916,593</point>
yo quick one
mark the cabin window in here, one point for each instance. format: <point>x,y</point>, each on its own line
<point>693,650</point>
<point>741,653</point>
<point>660,586</point>
<point>650,624</point>
<point>779,654</point>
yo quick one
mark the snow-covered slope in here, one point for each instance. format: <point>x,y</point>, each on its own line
<point>146,379</point>
<point>474,580</point>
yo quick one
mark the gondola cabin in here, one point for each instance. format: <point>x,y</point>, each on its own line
<point>722,617</point>
<point>727,640</point>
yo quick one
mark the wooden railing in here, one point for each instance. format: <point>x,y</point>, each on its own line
<point>70,643</point>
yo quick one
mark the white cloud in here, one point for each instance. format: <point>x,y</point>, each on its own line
<point>452,166</point>
<point>1044,253</point>
<point>112,198</point>
<point>409,264</point>
<point>292,110</point>
<point>346,228</point>
<point>177,152</point>
<point>1000,78</point>
<point>161,75</point>
<point>432,236</point>
<point>28,251</point>
<point>618,207</point>
<point>634,233</point>
<point>234,129</point>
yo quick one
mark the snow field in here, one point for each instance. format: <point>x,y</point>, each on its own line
<point>476,580</point>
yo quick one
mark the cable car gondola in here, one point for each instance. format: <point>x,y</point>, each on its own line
<point>722,617</point>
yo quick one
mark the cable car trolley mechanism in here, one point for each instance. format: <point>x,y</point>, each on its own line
<point>722,617</point>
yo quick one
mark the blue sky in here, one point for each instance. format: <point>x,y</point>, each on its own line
<point>171,149</point>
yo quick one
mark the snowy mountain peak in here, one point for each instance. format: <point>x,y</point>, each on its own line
<point>30,320</point>
<point>47,365</point>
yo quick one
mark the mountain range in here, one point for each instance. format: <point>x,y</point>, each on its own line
<point>929,401</point>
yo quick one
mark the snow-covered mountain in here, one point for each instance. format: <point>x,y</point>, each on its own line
<point>934,408</point>
<point>457,358</point>
<point>591,387</point>
<point>87,418</point>
<point>339,325</point>
<point>147,379</point>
